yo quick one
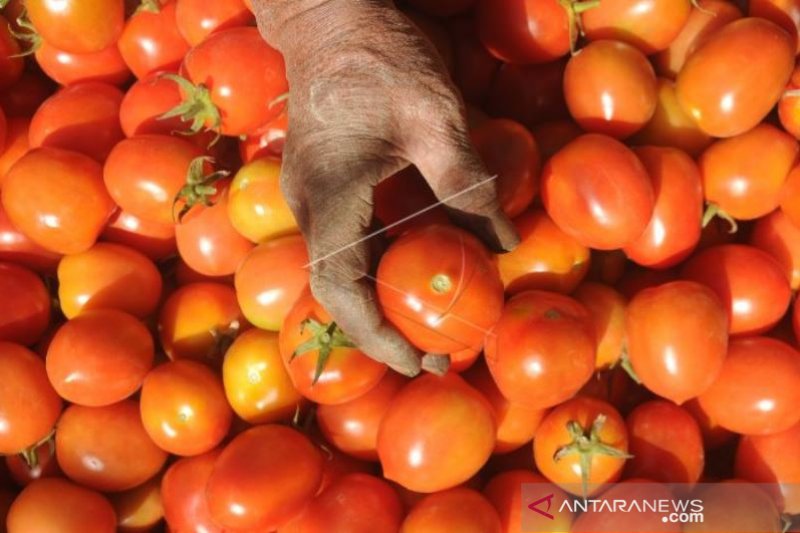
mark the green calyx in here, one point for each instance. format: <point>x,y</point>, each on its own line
<point>714,210</point>
<point>200,187</point>
<point>30,455</point>
<point>197,108</point>
<point>574,11</point>
<point>149,6</point>
<point>324,338</point>
<point>28,35</point>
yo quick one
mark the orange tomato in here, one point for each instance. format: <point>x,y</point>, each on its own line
<point>790,196</point>
<point>460,509</point>
<point>779,237</point>
<point>153,239</point>
<point>16,144</point>
<point>76,26</point>
<point>503,491</point>
<point>608,309</point>
<point>140,508</point>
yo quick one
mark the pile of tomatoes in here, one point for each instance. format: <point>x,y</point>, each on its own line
<point>164,366</point>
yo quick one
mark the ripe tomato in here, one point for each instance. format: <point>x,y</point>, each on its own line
<point>99,357</point>
<point>401,201</point>
<point>752,85</point>
<point>503,491</point>
<point>151,41</point>
<point>106,448</point>
<point>714,435</point>
<point>243,100</point>
<point>45,465</point>
<point>263,478</point>
<point>790,196</point>
<point>437,433</point>
<point>18,248</point>
<point>776,235</point>
<point>256,206</point>
<point>16,144</point>
<point>183,492</point>
<point>25,307</point>
<point>108,276</point>
<point>603,517</point>
<point>11,64</point>
<point>735,504</point>
<point>267,141</point>
<point>784,13</point>
<point>22,99</point>
<point>674,229</point>
<point>58,505</point>
<point>554,135</point>
<point>68,68</point>
<point>460,509</point>
<point>542,350</point>
<point>257,386</point>
<point>147,100</point>
<point>197,319</point>
<point>29,407</point>
<point>750,283</point>
<point>156,241</point>
<point>442,302</point>
<point>75,26</point>
<point>509,152</point>
<point>610,88</point>
<point>706,17</point>
<point>529,94</point>
<point>796,320</point>
<point>197,19</point>
<point>607,308</point>
<point>338,465</point>
<point>650,25</point>
<point>585,203</point>
<point>140,508</point>
<point>546,258</point>
<point>83,117</point>
<point>184,409</point>
<point>57,199</point>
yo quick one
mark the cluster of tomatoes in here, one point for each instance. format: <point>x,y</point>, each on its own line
<point>163,363</point>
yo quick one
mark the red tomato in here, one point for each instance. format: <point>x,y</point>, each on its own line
<point>758,390</point>
<point>29,407</point>
<point>156,241</point>
<point>58,505</point>
<point>263,478</point>
<point>151,41</point>
<point>22,99</point>
<point>607,308</point>
<point>16,144</point>
<point>776,235</point>
<point>404,201</point>
<point>528,94</point>
<point>753,84</point>
<point>610,88</point>
<point>784,13</point>
<point>145,102</point>
<point>581,445</point>
<point>674,229</point>
<point>542,350</point>
<point>796,320</point>
<point>509,152</point>
<point>751,285</point>
<point>197,19</point>
<point>505,494</point>
<point>603,518</point>
<point>68,68</point>
<point>475,66</point>
<point>607,266</point>
<point>11,64</point>
<point>442,302</point>
<point>241,98</point>
<point>650,25</point>
<point>744,506</point>
<point>790,196</point>
<point>714,435</point>
<point>57,199</point>
<point>99,357</point>
<point>25,307</point>
<point>459,509</point>
<point>585,203</point>
<point>76,26</point>
<point>183,492</point>
<point>107,448</point>
<point>442,8</point>
<point>338,465</point>
<point>19,249</point>
<point>45,466</point>
<point>555,135</point>
<point>464,359</point>
<point>684,366</point>
<point>437,433</point>
<point>267,141</point>
<point>83,117</point>
<point>140,508</point>
<point>184,409</point>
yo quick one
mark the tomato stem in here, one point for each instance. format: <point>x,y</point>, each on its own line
<point>574,10</point>
<point>197,108</point>
<point>324,338</point>
<point>149,6</point>
<point>625,364</point>
<point>441,283</point>
<point>713,210</point>
<point>199,188</point>
<point>29,35</point>
<point>30,455</point>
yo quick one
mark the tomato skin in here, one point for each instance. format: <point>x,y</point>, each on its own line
<point>144,102</point>
<point>725,509</point>
<point>402,195</point>
<point>263,478</point>
<point>183,491</point>
<point>10,67</point>
<point>796,320</point>
<point>554,135</point>
<point>16,144</point>
<point>25,307</point>
<point>139,509</point>
<point>67,68</point>
<point>598,212</point>
<point>57,199</point>
<point>757,391</point>
<point>46,466</point>
<point>779,237</point>
<point>608,309</point>
<point>151,41</point>
<point>58,505</point>
<point>790,196</point>
<point>610,88</point>
<point>753,85</point>
<point>750,283</point>
<point>674,229</point>
<point>22,99</point>
<point>155,241</point>
<point>448,422</point>
<point>17,248</point>
<point>196,19</point>
<point>267,141</point>
<point>425,296</point>
<point>503,491</point>
<point>784,13</point>
<point>83,117</point>
<point>602,518</point>
<point>458,509</point>
<point>529,94</point>
<point>184,409</point>
<point>76,26</point>
<point>714,435</point>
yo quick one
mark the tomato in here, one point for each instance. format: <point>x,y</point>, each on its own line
<point>145,102</point>
<point>464,359</point>
<point>25,307</point>
<point>256,206</point>
<point>442,8</point>
<point>197,19</point>
<point>610,88</point>
<point>404,201</point>
<point>107,448</point>
<point>529,94</point>
<point>196,319</point>
<point>796,320</point>
<point>505,494</point>
<point>752,85</point>
<point>356,503</point>
<point>267,141</point>
<point>263,478</point>
<point>790,196</point>
<point>68,68</point>
<point>442,302</point>
<point>581,445</point>
<point>242,98</point>
<point>542,350</point>
<point>714,435</point>
<point>22,99</point>
<point>338,465</point>
<point>706,17</point>
<point>184,409</point>
<point>509,152</point>
<point>474,65</point>
<point>459,509</point>
<point>154,240</point>
<point>650,25</point>
<point>607,266</point>
<point>546,258</point>
<point>140,508</point>
<point>75,26</point>
<point>59,505</point>
<point>29,407</point>
<point>99,357</point>
<point>603,517</point>
<point>734,504</point>
<point>46,465</point>
<point>554,135</point>
<point>638,278</point>
<point>784,13</point>
<point>11,65</point>
<point>16,144</point>
<point>18,248</point>
<point>776,235</point>
<point>516,423</point>
<point>597,211</point>
<point>183,493</point>
<point>750,283</point>
<point>607,308</point>
<point>83,117</point>
<point>533,31</point>
<point>151,41</point>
